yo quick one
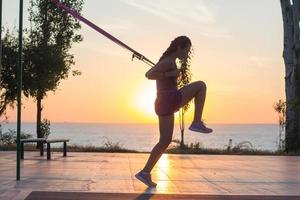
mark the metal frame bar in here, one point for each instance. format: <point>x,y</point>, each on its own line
<point>19,88</point>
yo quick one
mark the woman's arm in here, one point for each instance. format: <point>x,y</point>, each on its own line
<point>154,74</point>
<point>161,70</point>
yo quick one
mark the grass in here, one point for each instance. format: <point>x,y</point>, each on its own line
<point>73,148</point>
<point>175,149</point>
<point>212,151</point>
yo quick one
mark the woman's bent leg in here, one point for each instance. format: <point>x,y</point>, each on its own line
<point>195,90</point>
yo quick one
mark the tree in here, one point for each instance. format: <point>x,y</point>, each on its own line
<point>47,59</point>
<point>185,79</point>
<point>8,81</point>
<point>291,55</point>
<point>280,107</point>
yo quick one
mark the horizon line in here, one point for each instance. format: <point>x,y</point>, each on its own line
<point>69,122</point>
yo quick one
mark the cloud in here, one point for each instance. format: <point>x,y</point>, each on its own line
<point>214,32</point>
<point>176,11</point>
<point>120,26</point>
<point>180,12</point>
<point>153,9</point>
<point>262,62</point>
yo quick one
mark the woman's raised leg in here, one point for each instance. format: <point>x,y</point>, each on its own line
<point>195,90</point>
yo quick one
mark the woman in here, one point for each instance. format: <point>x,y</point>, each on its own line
<point>169,100</point>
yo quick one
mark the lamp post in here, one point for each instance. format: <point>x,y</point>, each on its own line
<point>19,86</point>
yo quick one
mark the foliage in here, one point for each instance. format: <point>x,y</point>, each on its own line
<point>8,81</point>
<point>191,147</point>
<point>198,148</point>
<point>45,128</point>
<point>186,74</point>
<point>109,145</point>
<point>9,138</point>
<point>46,57</point>
<point>184,79</point>
<point>245,145</point>
<point>280,108</point>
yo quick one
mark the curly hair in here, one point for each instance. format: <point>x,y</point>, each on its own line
<point>181,41</point>
<point>185,63</point>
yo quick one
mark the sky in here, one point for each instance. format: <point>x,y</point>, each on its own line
<point>237,52</point>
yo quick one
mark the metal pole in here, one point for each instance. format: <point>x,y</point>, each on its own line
<point>19,86</point>
<point>181,121</point>
<point>0,37</point>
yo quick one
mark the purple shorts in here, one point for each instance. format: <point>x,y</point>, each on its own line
<point>168,102</point>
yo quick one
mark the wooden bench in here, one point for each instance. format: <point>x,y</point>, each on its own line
<point>37,140</point>
<point>42,141</point>
<point>56,141</point>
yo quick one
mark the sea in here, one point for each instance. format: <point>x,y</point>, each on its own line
<point>142,137</point>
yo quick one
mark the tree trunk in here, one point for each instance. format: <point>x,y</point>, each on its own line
<point>291,55</point>
<point>181,119</point>
<point>39,117</point>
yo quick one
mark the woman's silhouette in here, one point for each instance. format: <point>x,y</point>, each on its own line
<point>169,100</point>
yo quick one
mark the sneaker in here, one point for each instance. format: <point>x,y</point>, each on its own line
<point>200,127</point>
<point>145,178</point>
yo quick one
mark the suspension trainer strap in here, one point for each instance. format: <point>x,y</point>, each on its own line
<point>135,54</point>
<point>103,32</point>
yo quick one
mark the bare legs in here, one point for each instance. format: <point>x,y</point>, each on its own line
<point>166,123</point>
<point>198,90</point>
<point>166,126</point>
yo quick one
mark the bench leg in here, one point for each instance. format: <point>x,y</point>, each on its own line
<point>22,150</point>
<point>48,152</point>
<point>65,149</point>
<point>41,149</point>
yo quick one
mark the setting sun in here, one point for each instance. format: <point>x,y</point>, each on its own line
<point>145,97</point>
<point>114,89</point>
